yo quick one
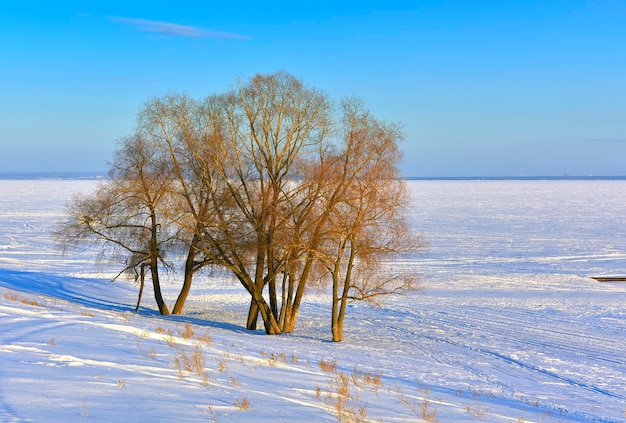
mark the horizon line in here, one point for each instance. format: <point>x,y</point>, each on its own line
<point>34,175</point>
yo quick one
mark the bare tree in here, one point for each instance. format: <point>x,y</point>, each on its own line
<point>267,125</point>
<point>172,123</point>
<point>269,182</point>
<point>123,216</point>
<point>366,204</point>
<point>265,183</point>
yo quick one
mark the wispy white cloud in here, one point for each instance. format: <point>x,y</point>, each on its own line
<point>175,30</point>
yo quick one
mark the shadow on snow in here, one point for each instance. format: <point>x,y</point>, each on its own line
<point>83,291</point>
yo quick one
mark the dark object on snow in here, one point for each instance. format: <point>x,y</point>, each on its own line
<point>609,278</point>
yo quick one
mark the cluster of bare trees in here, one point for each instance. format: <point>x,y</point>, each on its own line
<point>271,182</point>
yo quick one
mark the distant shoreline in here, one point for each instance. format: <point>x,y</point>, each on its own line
<point>52,175</point>
<point>103,175</point>
<point>517,178</point>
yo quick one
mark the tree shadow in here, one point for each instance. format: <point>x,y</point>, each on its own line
<point>89,292</point>
<point>66,288</point>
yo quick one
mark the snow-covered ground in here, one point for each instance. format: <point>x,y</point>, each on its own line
<point>508,327</point>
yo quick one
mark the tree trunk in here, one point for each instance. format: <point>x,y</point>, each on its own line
<point>291,316</point>
<point>340,300</point>
<point>283,306</point>
<point>258,306</point>
<point>262,308</point>
<point>188,278</point>
<point>273,300</point>
<point>157,292</point>
<point>255,292</point>
<point>253,315</point>
<point>336,325</point>
<point>294,301</point>
<point>154,268</point>
<point>270,323</point>
<point>337,328</point>
<point>291,308</point>
<point>142,282</point>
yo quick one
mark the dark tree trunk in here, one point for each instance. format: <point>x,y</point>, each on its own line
<point>253,315</point>
<point>188,278</point>
<point>340,302</point>
<point>258,306</point>
<point>142,282</point>
<point>336,326</point>
<point>273,299</point>
<point>158,296</point>
<point>154,268</point>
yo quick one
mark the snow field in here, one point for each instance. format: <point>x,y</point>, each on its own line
<point>508,326</point>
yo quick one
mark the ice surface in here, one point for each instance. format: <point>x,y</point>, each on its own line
<point>508,327</point>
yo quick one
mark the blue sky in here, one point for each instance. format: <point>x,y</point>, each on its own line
<point>483,88</point>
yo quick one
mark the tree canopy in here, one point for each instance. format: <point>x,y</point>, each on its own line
<point>271,181</point>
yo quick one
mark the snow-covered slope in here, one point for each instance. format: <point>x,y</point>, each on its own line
<point>508,327</point>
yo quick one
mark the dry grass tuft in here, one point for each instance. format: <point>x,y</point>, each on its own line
<point>212,414</point>
<point>205,339</point>
<point>294,358</point>
<point>33,302</point>
<point>243,404</point>
<point>188,333</point>
<point>193,362</point>
<point>421,409</point>
<point>11,296</point>
<point>328,366</point>
<point>343,398</point>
